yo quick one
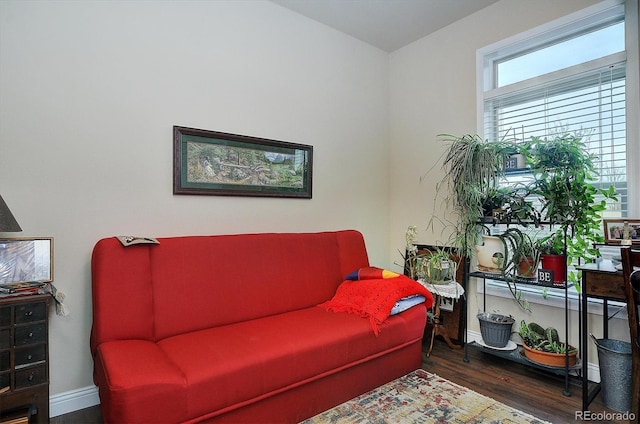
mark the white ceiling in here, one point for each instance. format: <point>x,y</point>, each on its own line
<point>386,24</point>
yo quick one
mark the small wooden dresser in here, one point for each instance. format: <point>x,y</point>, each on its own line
<point>24,357</point>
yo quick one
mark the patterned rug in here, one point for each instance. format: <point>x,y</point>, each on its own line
<point>421,397</point>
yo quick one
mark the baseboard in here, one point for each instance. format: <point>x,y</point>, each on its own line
<point>593,370</point>
<point>73,400</point>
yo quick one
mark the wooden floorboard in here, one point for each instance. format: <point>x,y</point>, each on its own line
<point>519,386</point>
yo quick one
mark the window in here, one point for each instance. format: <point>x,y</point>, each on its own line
<point>576,75</point>
<point>570,78</point>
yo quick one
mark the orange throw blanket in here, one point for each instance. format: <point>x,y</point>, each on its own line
<point>374,294</point>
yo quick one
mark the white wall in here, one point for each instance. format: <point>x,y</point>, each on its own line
<point>432,91</point>
<point>89,92</point>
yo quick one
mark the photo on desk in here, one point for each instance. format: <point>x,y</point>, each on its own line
<point>614,230</point>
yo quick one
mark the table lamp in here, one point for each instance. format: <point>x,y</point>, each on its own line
<point>7,222</point>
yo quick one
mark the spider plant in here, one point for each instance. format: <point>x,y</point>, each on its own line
<point>472,168</point>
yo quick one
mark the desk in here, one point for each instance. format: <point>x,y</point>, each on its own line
<point>600,280</point>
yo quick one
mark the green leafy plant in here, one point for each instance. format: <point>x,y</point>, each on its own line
<point>553,244</point>
<point>437,266</point>
<point>472,168</point>
<point>519,247</point>
<point>563,173</point>
<point>545,340</point>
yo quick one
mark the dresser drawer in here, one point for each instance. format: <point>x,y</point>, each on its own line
<point>30,312</point>
<point>30,334</point>
<point>5,360</point>
<point>5,381</point>
<point>5,317</point>
<point>30,355</point>
<point>31,376</point>
<point>5,338</point>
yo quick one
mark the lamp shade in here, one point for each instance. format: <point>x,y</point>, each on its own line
<point>7,222</point>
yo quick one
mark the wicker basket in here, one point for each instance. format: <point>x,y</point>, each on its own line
<point>495,329</point>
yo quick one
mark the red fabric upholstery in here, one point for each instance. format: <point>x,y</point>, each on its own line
<point>213,327</point>
<point>269,354</point>
<point>139,383</point>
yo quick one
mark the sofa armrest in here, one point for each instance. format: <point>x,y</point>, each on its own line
<point>138,383</point>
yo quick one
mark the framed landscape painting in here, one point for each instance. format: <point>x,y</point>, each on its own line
<point>217,163</point>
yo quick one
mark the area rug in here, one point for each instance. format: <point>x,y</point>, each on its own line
<point>421,397</point>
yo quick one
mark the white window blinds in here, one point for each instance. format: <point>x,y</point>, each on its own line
<point>586,100</point>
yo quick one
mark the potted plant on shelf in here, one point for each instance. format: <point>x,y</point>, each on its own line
<point>513,255</point>
<point>563,174</point>
<point>495,328</point>
<point>544,346</point>
<point>552,255</point>
<point>493,202</point>
<point>522,253</point>
<point>472,168</point>
<point>437,267</point>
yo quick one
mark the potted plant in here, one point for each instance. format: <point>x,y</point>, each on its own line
<point>494,200</point>
<point>522,253</point>
<point>514,256</point>
<point>563,173</point>
<point>544,346</point>
<point>438,267</point>
<point>472,168</point>
<point>511,255</point>
<point>491,254</point>
<point>553,256</point>
<point>495,329</point>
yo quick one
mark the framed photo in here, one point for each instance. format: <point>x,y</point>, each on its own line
<point>26,260</point>
<point>216,163</point>
<point>614,230</point>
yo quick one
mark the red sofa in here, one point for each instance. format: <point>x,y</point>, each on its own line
<point>227,329</point>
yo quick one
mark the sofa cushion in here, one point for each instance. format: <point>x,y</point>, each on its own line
<point>198,282</point>
<point>244,362</point>
<point>190,283</point>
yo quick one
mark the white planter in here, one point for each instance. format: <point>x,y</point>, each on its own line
<point>491,254</point>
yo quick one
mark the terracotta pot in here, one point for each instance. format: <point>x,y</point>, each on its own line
<point>527,268</point>
<point>557,264</point>
<point>549,359</point>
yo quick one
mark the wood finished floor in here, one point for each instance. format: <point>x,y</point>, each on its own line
<point>516,385</point>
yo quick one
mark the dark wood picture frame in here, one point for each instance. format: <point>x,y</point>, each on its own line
<point>216,163</point>
<point>613,229</point>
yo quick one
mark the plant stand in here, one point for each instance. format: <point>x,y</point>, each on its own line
<point>517,355</point>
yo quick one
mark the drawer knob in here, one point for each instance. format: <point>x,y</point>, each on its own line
<point>28,314</point>
<point>31,377</point>
<point>31,334</point>
<point>29,357</point>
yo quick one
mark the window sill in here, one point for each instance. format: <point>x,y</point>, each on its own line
<point>555,298</point>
